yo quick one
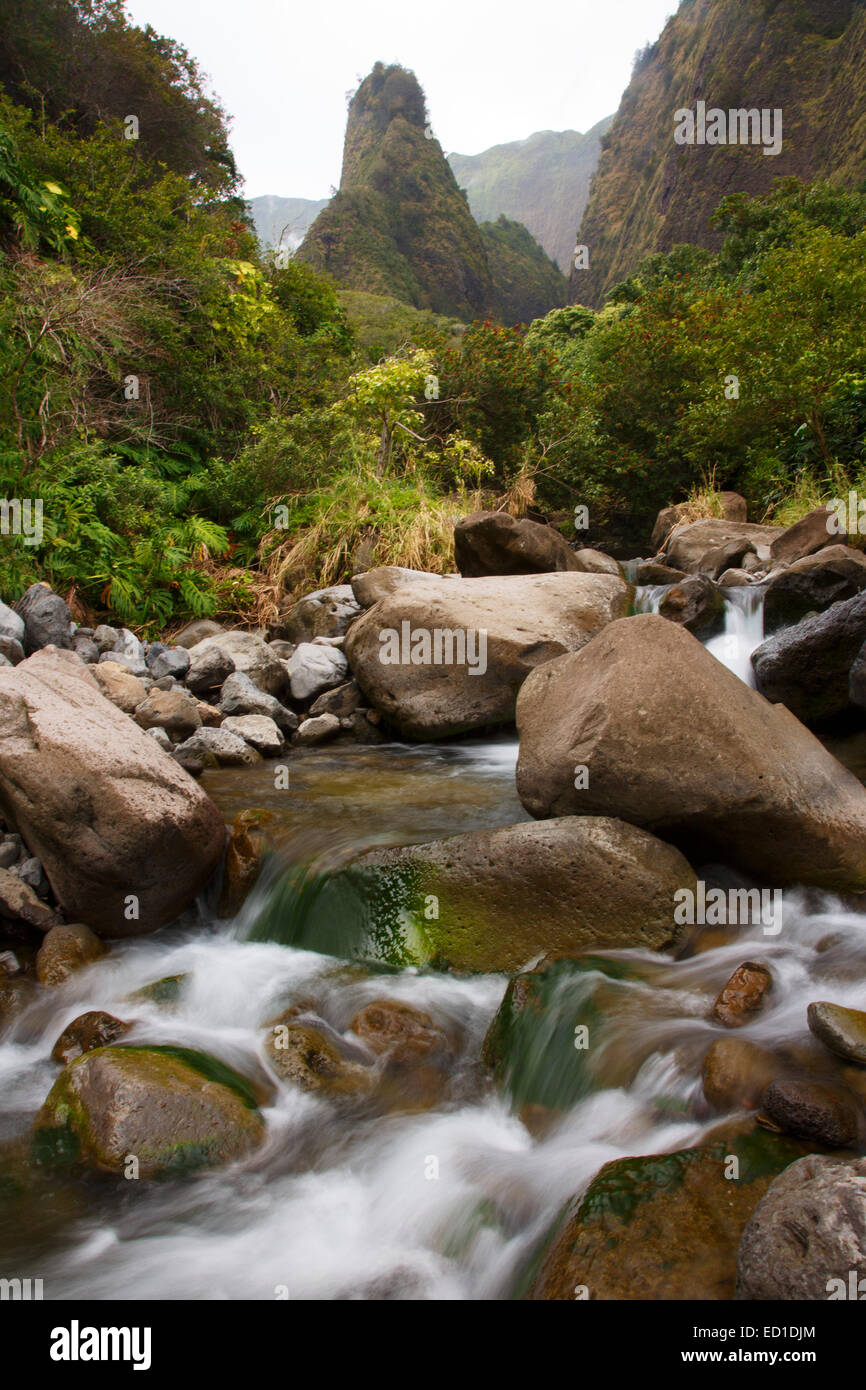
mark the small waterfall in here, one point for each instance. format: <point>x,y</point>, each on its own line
<point>744,631</point>
<point>648,597</point>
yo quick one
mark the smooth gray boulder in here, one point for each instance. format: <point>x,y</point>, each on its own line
<point>314,668</point>
<point>47,620</point>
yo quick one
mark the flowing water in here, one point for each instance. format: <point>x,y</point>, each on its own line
<point>448,1203</point>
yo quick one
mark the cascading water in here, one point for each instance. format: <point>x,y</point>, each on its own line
<point>744,631</point>
<point>744,624</point>
<point>343,1205</point>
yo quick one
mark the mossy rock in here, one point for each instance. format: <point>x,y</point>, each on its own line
<point>665,1226</point>
<point>172,1109</point>
<point>490,900</point>
<point>530,1046</point>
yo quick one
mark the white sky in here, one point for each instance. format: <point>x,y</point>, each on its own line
<point>492,70</point>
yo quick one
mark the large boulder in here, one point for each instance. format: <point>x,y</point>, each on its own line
<point>47,620</point>
<point>665,1226</point>
<point>734,506</point>
<point>812,584</point>
<point>172,1109</point>
<point>493,899</point>
<point>671,740</point>
<point>108,813</point>
<point>373,585</point>
<point>806,1239</point>
<point>711,546</point>
<point>326,613</point>
<point>249,653</point>
<point>807,667</point>
<point>808,535</point>
<point>442,658</point>
<point>492,543</point>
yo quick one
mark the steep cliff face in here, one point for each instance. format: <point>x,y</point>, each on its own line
<point>542,181</point>
<point>399,224</point>
<point>805,58</point>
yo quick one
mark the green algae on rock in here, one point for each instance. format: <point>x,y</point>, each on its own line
<point>172,1109</point>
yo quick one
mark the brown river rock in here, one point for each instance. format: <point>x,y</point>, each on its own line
<point>107,812</point>
<point>743,995</point>
<point>525,620</point>
<point>673,741</point>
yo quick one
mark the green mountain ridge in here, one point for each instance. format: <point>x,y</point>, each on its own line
<point>542,181</point>
<point>650,194</point>
<point>400,226</point>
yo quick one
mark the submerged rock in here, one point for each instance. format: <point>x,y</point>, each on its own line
<point>87,1032</point>
<point>736,1073</point>
<point>664,1226</point>
<point>541,1047</point>
<point>744,784</point>
<point>243,861</point>
<point>171,1109</point>
<point>309,1053</point>
<point>398,1032</point>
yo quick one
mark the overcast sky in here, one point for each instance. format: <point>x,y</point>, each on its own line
<point>493,70</point>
